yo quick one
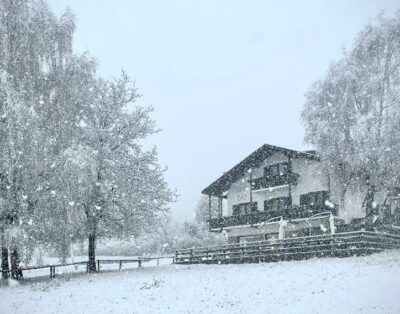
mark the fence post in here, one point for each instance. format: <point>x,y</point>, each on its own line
<point>98,265</point>
<point>120,265</point>
<point>332,224</point>
<point>158,261</point>
<point>52,271</point>
<point>333,245</point>
<point>140,263</point>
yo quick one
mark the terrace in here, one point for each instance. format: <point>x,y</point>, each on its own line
<point>256,217</point>
<point>269,180</point>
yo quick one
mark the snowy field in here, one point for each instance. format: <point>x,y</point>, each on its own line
<point>353,285</point>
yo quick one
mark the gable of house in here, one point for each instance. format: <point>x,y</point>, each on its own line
<point>253,161</point>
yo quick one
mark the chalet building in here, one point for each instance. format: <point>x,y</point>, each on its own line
<point>277,193</point>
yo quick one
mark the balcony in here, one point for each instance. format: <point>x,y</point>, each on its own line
<point>296,212</point>
<point>275,180</point>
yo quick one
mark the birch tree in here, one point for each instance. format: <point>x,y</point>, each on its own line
<point>33,43</point>
<point>329,118</point>
<point>352,115</point>
<point>375,60</point>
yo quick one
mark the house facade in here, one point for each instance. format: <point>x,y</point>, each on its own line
<point>276,193</point>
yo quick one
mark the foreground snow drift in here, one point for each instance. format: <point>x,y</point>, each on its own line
<point>354,285</point>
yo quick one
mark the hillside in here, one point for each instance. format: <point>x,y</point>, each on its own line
<point>351,285</point>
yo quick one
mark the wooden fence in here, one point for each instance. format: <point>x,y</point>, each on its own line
<point>52,268</point>
<point>138,260</point>
<point>120,262</point>
<point>332,245</point>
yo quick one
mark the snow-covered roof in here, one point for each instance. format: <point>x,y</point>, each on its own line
<point>254,160</point>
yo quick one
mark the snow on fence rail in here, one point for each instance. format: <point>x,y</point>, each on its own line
<point>333,245</point>
<point>120,262</point>
<point>52,268</point>
<point>138,260</point>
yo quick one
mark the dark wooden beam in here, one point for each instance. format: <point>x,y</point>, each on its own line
<point>209,206</point>
<point>219,206</point>
<point>251,189</point>
<point>290,184</point>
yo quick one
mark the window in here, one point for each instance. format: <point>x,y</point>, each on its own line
<point>320,198</point>
<point>244,208</point>
<point>235,210</point>
<point>274,170</point>
<point>280,169</point>
<point>314,198</point>
<point>283,169</point>
<point>277,204</point>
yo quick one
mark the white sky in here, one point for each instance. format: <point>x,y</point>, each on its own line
<point>224,77</point>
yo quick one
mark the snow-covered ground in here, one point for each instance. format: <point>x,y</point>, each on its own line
<point>353,285</point>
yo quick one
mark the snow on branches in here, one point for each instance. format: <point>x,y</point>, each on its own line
<point>72,163</point>
<point>352,116</point>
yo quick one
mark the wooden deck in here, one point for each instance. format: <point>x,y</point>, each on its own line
<point>332,245</point>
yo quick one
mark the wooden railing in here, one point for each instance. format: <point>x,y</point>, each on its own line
<point>271,181</point>
<point>295,212</point>
<point>139,261</point>
<point>120,262</point>
<point>332,245</point>
<point>52,268</point>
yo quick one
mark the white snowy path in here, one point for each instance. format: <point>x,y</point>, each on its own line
<point>352,285</point>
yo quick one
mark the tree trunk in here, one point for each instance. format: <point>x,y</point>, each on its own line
<point>16,272</point>
<point>92,252</point>
<point>369,207</point>
<point>65,250</point>
<point>5,271</point>
<point>342,208</point>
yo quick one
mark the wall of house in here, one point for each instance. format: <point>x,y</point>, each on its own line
<point>311,179</point>
<point>239,191</point>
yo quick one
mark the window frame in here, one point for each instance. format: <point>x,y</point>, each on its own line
<point>244,208</point>
<point>315,198</point>
<point>277,204</point>
<point>276,170</point>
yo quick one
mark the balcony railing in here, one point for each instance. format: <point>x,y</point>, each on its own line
<point>296,212</point>
<point>271,181</point>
